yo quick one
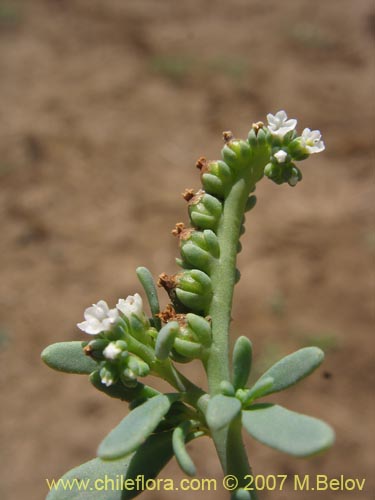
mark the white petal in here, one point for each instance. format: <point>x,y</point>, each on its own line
<point>280,156</point>
<point>112,351</point>
<point>91,327</point>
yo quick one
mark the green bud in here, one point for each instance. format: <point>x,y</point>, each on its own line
<point>108,374</point>
<point>137,366</point>
<point>201,328</point>
<point>227,388</point>
<point>95,348</point>
<point>165,339</point>
<point>241,362</point>
<point>297,151</point>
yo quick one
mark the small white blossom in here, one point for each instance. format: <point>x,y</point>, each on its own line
<point>112,351</point>
<point>98,318</point>
<point>131,305</point>
<point>311,140</point>
<point>279,124</point>
<point>106,377</point>
<point>281,156</point>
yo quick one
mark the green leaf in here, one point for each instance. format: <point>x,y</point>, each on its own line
<point>68,357</point>
<point>149,459</point>
<point>165,339</point>
<point>289,370</point>
<point>242,357</point>
<point>119,391</point>
<point>221,411</point>
<point>257,391</point>
<point>84,477</point>
<point>286,430</point>
<point>178,440</point>
<point>135,427</point>
<point>147,281</point>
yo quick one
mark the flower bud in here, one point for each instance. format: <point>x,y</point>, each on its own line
<point>95,348</point>
<point>115,350</point>
<point>108,374</point>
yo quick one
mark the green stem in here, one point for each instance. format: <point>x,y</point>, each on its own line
<point>228,442</point>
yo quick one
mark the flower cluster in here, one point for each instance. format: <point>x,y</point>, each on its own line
<point>287,147</point>
<point>114,328</point>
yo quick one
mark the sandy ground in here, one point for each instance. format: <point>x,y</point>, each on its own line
<point>105,107</point>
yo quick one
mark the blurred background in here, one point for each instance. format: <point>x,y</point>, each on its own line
<point>105,107</point>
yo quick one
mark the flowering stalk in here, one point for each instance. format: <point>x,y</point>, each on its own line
<point>128,345</point>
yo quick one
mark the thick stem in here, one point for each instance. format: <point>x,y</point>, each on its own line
<point>228,442</point>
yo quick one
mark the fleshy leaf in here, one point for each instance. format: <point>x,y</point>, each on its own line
<point>147,281</point>
<point>149,459</point>
<point>221,411</point>
<point>68,357</point>
<point>289,370</point>
<point>135,427</point>
<point>165,339</point>
<point>81,481</point>
<point>287,431</point>
<point>242,357</point>
<point>178,440</point>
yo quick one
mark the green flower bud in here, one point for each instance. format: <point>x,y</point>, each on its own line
<point>95,348</point>
<point>216,177</point>
<point>297,151</point>
<point>201,328</point>
<point>108,374</point>
<point>137,366</point>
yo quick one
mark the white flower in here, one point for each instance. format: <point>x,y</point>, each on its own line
<point>279,124</point>
<point>280,156</point>
<point>112,351</point>
<point>311,140</point>
<point>106,377</point>
<point>131,305</point>
<point>98,318</point>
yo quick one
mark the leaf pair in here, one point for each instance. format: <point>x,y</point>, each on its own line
<point>271,424</point>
